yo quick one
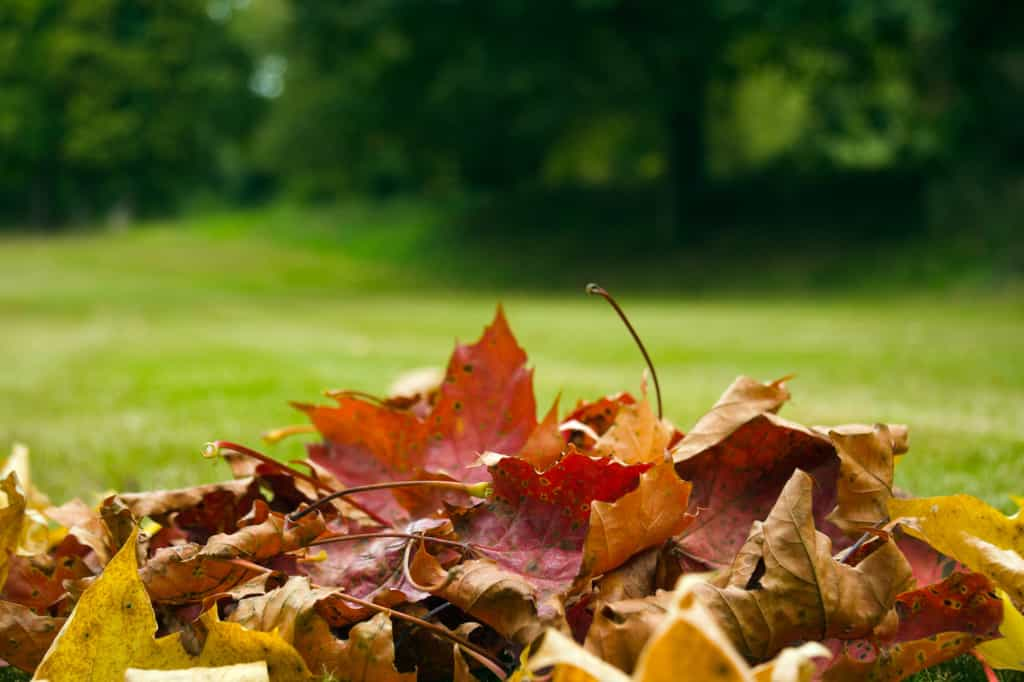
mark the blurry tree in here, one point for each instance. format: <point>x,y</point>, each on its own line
<point>507,93</point>
<point>114,104</point>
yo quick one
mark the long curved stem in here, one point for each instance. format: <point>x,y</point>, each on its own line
<point>213,449</point>
<point>476,490</point>
<point>271,437</point>
<point>600,291</point>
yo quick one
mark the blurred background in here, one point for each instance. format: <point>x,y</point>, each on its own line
<point>208,207</point>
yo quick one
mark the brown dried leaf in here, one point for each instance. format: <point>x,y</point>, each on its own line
<point>25,636</point>
<point>786,587</point>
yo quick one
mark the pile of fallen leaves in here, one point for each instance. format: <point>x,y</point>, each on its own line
<point>601,544</point>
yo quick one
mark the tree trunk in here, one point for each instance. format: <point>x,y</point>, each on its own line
<point>685,178</point>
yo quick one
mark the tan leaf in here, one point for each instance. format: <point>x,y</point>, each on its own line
<point>25,636</point>
<point>490,594</point>
<point>865,477</point>
<point>644,518</point>
<point>294,611</point>
<point>688,644</point>
<point>636,435</point>
<point>620,630</point>
<point>741,402</point>
<point>797,591</point>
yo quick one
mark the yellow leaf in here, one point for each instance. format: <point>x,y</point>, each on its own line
<point>1006,653</point>
<point>112,628</point>
<point>243,672</point>
<point>12,518</point>
<point>972,532</point>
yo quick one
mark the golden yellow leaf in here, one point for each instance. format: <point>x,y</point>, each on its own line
<point>243,672</point>
<point>970,531</point>
<point>12,518</point>
<point>1006,653</point>
<point>112,628</point>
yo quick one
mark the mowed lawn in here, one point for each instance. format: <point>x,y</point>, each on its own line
<point>122,353</point>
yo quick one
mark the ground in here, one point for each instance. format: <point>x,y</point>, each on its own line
<point>126,351</point>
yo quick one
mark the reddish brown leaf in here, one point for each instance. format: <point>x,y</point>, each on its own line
<point>785,587</point>
<point>38,582</point>
<point>936,624</point>
<point>191,573</point>
<point>25,636</point>
<point>485,403</point>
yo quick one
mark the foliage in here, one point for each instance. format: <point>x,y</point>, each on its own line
<point>559,550</point>
<point>114,103</point>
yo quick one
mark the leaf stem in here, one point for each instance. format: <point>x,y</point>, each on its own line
<point>276,435</point>
<point>475,490</point>
<point>600,291</point>
<point>213,449</point>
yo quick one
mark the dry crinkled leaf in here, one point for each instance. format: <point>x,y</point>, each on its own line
<point>744,400</point>
<point>296,610</point>
<point>489,593</point>
<point>738,480</point>
<point>785,586</point>
<point>687,645</point>
<point>645,517</point>
<point>620,630</point>
<point>970,531</point>
<point>636,435</point>
<point>112,627</point>
<point>24,635</point>
<point>865,476</point>
<point>190,573</point>
<point>935,624</point>
<point>243,672</point>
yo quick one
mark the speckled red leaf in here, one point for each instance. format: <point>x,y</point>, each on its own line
<point>936,623</point>
<point>537,522</point>
<point>190,573</point>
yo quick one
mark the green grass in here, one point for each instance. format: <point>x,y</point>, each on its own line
<point>124,352</point>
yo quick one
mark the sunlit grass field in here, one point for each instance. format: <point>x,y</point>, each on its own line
<point>123,352</point>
